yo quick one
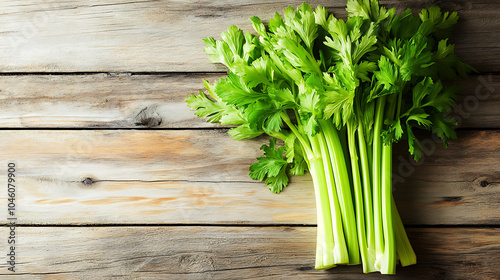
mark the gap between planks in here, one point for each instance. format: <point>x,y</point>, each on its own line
<point>241,225</point>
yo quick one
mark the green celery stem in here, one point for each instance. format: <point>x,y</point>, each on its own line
<point>377,183</point>
<point>302,140</point>
<point>367,261</point>
<point>324,244</point>
<point>367,190</point>
<point>340,253</point>
<point>343,187</point>
<point>404,249</point>
<point>388,265</point>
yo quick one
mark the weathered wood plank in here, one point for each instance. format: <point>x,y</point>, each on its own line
<point>109,177</point>
<point>232,253</point>
<point>99,101</point>
<point>144,36</point>
<point>138,101</point>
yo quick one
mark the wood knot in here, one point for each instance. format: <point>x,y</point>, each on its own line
<point>148,117</point>
<point>484,183</point>
<point>196,263</point>
<point>88,181</point>
<point>452,198</point>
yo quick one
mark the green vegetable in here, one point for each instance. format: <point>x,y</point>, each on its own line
<point>338,94</point>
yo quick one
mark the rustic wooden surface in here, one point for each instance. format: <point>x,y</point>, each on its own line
<point>208,252</point>
<point>117,179</point>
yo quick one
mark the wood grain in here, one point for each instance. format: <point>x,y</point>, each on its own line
<point>157,101</point>
<point>233,253</point>
<point>201,176</point>
<point>147,36</point>
<point>100,101</point>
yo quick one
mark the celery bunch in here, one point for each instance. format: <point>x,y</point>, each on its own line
<point>338,94</point>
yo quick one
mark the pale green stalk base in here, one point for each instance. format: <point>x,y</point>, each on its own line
<point>368,199</point>
<point>367,260</point>
<point>403,247</point>
<point>340,253</point>
<point>343,188</point>
<point>326,251</point>
<point>324,244</point>
<point>377,183</point>
<point>388,265</point>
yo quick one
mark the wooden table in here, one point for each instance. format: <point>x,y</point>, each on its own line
<point>116,178</point>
